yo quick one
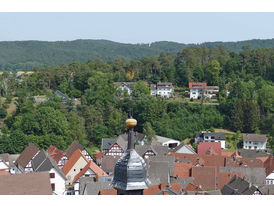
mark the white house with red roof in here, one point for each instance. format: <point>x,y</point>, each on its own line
<point>74,165</point>
<point>197,89</point>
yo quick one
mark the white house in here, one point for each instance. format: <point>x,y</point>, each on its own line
<point>207,136</point>
<point>124,86</point>
<point>197,89</point>
<point>211,91</point>
<point>254,141</point>
<point>44,162</point>
<point>162,89</point>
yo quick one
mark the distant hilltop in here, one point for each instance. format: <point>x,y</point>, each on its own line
<point>25,55</point>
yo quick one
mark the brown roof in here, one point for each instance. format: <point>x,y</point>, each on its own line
<point>182,169</point>
<point>205,176</point>
<point>255,137</point>
<point>55,153</point>
<point>108,192</point>
<point>3,172</point>
<point>26,155</point>
<point>225,177</point>
<point>192,187</point>
<point>35,183</point>
<point>108,163</point>
<point>243,162</point>
<point>74,146</point>
<point>94,167</point>
<point>72,160</point>
<point>228,154</point>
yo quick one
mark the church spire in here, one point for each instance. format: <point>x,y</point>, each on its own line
<point>130,175</point>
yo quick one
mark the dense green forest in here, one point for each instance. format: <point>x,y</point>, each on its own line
<point>249,107</point>
<point>26,55</point>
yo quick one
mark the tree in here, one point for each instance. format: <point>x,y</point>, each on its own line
<point>140,89</point>
<point>148,132</point>
<point>212,73</point>
<point>3,113</point>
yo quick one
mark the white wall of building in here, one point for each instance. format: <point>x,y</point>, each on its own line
<point>196,93</point>
<point>270,179</point>
<point>185,150</point>
<point>59,182</point>
<point>76,168</point>
<point>252,145</point>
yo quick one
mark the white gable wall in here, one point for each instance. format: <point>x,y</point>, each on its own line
<point>270,179</point>
<point>76,168</point>
<point>185,150</point>
<point>4,166</point>
<point>59,182</point>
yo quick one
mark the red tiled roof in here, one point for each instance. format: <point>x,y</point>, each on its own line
<point>197,85</point>
<point>72,160</point>
<point>154,189</point>
<point>182,169</point>
<point>192,187</point>
<point>94,167</point>
<point>225,177</point>
<point>100,154</point>
<point>205,176</point>
<point>206,160</point>
<point>108,192</point>
<point>228,154</point>
<point>243,162</point>
<point>55,153</point>
<point>4,173</point>
<point>209,148</point>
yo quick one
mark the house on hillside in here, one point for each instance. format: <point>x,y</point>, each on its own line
<point>162,89</point>
<point>74,165</point>
<point>59,156</point>
<point>90,170</point>
<point>23,162</point>
<point>200,90</point>
<point>74,146</point>
<point>208,136</point>
<point>125,86</point>
<point>197,90</point>
<point>44,162</point>
<point>35,183</point>
<point>254,141</point>
<point>211,92</point>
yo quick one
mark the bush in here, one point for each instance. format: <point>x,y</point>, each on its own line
<point>3,113</point>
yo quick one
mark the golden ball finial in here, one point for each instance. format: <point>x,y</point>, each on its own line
<point>131,122</point>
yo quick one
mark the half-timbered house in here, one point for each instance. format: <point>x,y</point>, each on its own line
<point>23,162</point>
<point>74,146</point>
<point>59,156</point>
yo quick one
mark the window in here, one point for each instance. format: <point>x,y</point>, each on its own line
<point>53,187</point>
<point>52,175</point>
<point>249,142</point>
<point>74,170</point>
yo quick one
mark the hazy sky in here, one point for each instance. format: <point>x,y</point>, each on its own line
<point>137,27</point>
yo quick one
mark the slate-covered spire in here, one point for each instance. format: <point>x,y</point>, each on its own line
<point>130,175</point>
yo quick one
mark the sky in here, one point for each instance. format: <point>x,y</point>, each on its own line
<point>136,27</point>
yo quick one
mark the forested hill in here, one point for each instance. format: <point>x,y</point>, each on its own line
<point>24,55</point>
